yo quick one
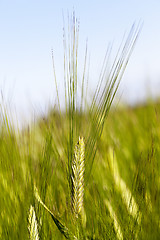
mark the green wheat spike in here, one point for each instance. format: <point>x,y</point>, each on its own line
<point>32,224</point>
<point>77,177</point>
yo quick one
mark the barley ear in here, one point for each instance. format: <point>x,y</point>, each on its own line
<point>78,177</point>
<point>32,225</point>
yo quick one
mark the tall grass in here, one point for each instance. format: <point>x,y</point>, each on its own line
<point>106,185</point>
<point>107,86</point>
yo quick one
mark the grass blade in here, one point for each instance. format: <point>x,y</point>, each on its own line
<point>62,228</point>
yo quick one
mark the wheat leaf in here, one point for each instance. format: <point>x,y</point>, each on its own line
<point>62,228</point>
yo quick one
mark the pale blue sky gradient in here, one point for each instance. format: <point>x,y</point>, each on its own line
<point>30,29</point>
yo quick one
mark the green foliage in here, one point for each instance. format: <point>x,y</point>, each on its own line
<point>121,181</point>
<point>122,197</point>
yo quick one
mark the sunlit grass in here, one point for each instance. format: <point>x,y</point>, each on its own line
<point>106,185</point>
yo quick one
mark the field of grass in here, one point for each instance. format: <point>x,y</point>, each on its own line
<point>121,195</point>
<point>89,172</point>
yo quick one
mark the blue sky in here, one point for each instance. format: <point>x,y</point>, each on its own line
<point>30,29</point>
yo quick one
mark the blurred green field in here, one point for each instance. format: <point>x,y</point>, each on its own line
<point>111,154</point>
<point>121,195</point>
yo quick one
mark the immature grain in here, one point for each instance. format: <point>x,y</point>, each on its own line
<point>32,225</point>
<point>77,177</point>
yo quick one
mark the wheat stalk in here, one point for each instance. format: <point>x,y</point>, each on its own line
<point>77,177</point>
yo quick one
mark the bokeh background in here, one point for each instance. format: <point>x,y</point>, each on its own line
<point>31,29</point>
